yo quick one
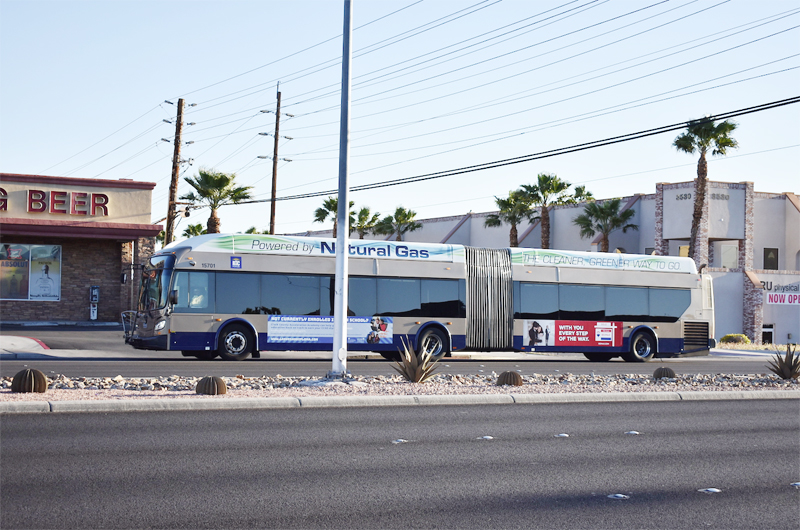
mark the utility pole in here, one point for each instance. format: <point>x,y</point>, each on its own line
<point>275,164</point>
<point>173,186</point>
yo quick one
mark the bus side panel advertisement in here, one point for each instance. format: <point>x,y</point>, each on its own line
<point>357,248</point>
<point>630,262</point>
<point>319,329</point>
<point>572,333</point>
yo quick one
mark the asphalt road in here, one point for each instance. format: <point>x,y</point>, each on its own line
<point>338,468</point>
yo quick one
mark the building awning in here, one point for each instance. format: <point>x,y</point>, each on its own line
<point>76,229</point>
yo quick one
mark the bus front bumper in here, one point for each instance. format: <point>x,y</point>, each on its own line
<point>158,342</point>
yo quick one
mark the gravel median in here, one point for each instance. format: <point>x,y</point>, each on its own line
<point>63,388</point>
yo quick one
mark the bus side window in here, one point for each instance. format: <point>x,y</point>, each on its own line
<point>238,293</point>
<point>581,302</point>
<point>538,300</point>
<point>667,305</point>
<point>195,292</point>
<point>627,303</point>
<point>182,286</point>
<point>399,297</point>
<point>362,297</point>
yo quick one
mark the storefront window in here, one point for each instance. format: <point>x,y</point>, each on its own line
<point>30,272</point>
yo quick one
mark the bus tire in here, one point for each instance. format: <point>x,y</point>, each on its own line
<point>435,341</point>
<point>599,357</point>
<point>643,348</point>
<point>236,343</point>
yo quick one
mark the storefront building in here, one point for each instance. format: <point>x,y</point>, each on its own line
<point>749,242</point>
<point>69,246</point>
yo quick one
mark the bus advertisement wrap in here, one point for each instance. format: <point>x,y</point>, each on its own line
<point>628,262</point>
<point>319,330</point>
<point>572,333</point>
<point>303,246</point>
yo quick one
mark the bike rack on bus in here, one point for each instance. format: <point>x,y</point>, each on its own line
<point>128,321</point>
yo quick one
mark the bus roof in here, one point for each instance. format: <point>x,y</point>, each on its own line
<point>427,252</point>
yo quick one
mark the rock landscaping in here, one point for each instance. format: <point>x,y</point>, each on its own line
<point>79,388</point>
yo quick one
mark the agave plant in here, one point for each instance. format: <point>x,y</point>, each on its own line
<point>787,367</point>
<point>413,366</point>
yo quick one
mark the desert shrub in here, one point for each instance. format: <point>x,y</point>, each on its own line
<point>735,338</point>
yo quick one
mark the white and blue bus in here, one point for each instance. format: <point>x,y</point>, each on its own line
<point>233,296</point>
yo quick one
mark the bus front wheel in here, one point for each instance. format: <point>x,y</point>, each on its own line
<point>236,343</point>
<point>435,342</point>
<point>643,348</point>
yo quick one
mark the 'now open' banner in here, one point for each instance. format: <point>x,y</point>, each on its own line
<point>783,298</point>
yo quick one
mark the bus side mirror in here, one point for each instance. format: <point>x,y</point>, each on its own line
<point>173,297</point>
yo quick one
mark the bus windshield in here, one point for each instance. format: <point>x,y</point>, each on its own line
<point>156,277</point>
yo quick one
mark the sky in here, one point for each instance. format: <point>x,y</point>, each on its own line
<point>89,89</point>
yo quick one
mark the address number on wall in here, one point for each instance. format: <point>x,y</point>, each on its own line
<point>683,197</point>
<point>720,196</point>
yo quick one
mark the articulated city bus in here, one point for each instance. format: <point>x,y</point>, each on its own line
<point>233,296</point>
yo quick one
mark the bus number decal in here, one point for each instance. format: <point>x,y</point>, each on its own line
<point>208,265</point>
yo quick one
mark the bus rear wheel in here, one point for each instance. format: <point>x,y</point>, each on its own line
<point>599,357</point>
<point>236,343</point>
<point>435,342</point>
<point>643,348</point>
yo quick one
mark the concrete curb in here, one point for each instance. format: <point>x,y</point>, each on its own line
<point>211,403</point>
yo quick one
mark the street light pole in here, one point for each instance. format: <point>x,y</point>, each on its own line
<point>339,366</point>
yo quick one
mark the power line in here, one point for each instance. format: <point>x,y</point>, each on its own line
<point>298,52</point>
<point>546,154</point>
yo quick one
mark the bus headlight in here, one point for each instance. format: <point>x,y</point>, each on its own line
<point>161,325</point>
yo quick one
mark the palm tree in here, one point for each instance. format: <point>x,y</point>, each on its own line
<point>604,218</point>
<point>513,211</point>
<point>330,208</point>
<point>401,223</point>
<point>700,136</point>
<point>194,230</point>
<point>216,189</point>
<point>366,221</point>
<point>550,191</point>
<point>254,230</point>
